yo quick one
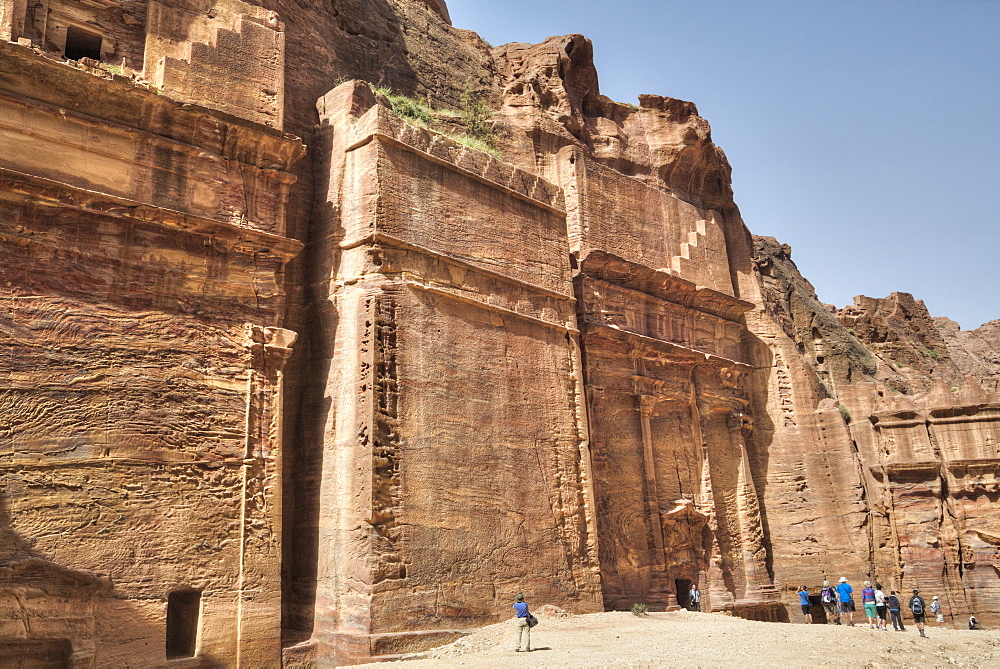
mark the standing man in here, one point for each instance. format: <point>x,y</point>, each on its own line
<point>828,596</point>
<point>897,620</point>
<point>937,611</point>
<point>846,594</point>
<point>523,631</point>
<point>694,598</point>
<point>803,593</point>
<point>918,608</point>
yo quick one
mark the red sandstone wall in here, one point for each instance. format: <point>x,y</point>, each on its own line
<point>460,345</point>
<point>140,374</point>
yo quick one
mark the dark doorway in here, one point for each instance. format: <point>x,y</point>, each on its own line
<point>82,44</point>
<point>683,587</point>
<point>817,610</point>
<point>183,611</point>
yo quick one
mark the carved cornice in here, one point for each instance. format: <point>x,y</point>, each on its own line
<point>613,269</point>
<point>643,345</point>
<point>937,415</point>
<point>908,470</point>
<point>30,189</point>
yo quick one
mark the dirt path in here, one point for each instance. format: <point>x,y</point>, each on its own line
<point>683,639</point>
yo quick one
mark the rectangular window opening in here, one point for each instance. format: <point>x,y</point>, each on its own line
<point>82,44</point>
<point>183,612</point>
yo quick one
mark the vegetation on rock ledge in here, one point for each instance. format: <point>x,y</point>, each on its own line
<point>474,115</point>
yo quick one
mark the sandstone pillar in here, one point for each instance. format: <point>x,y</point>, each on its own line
<point>453,362</point>
<point>659,587</point>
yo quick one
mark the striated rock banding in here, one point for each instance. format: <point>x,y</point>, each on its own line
<point>292,378</point>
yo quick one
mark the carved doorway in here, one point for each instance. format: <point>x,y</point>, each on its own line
<point>682,587</point>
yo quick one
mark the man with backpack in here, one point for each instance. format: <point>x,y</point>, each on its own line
<point>919,608</point>
<point>937,611</point>
<point>828,596</point>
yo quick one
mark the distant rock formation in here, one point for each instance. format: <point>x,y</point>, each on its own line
<point>903,481</point>
<point>329,328</point>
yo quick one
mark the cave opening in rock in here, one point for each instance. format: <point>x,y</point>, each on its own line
<point>183,612</point>
<point>683,589</point>
<point>82,44</point>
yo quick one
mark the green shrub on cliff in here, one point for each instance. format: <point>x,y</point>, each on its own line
<point>414,110</point>
<point>475,115</point>
<point>477,144</point>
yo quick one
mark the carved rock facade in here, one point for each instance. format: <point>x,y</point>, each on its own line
<point>569,371</point>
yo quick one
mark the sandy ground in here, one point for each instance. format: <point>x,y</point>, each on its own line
<point>683,639</point>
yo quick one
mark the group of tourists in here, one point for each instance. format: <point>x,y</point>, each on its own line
<point>838,603</point>
<point>878,606</point>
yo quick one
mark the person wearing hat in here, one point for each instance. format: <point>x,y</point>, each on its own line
<point>974,624</point>
<point>937,611</point>
<point>523,631</point>
<point>846,594</point>
<point>918,607</point>
<point>828,597</point>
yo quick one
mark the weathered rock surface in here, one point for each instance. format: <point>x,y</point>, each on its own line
<point>906,410</point>
<point>975,353</point>
<point>565,369</point>
<point>141,257</point>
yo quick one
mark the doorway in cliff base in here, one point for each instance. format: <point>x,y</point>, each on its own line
<point>682,587</point>
<point>183,611</point>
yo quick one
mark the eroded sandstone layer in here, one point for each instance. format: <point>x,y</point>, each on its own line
<point>535,349</point>
<point>907,410</point>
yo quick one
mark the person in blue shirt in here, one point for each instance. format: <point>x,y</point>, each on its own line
<point>803,592</point>
<point>523,631</point>
<point>846,594</point>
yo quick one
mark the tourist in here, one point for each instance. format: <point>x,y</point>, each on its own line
<point>828,597</point>
<point>880,607</point>
<point>694,598</point>
<point>918,607</point>
<point>937,611</point>
<point>846,595</point>
<point>868,601</point>
<point>523,630</point>
<point>974,624</point>
<point>803,592</point>
<point>897,620</point>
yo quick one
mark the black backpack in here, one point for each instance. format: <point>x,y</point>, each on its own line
<point>918,605</point>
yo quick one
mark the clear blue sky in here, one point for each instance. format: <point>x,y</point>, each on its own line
<point>866,133</point>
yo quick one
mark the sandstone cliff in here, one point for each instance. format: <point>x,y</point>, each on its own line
<point>909,471</point>
<point>535,349</point>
